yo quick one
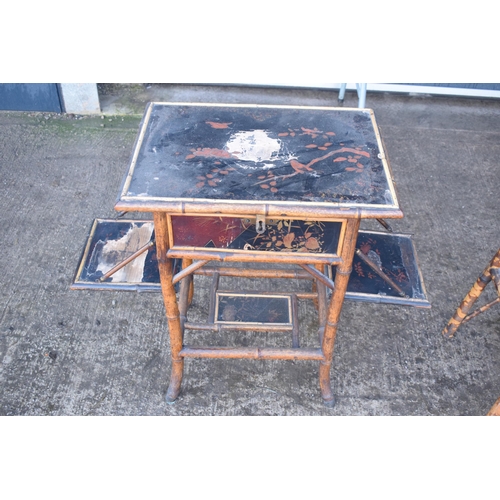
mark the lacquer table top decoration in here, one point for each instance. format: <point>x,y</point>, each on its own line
<point>276,157</point>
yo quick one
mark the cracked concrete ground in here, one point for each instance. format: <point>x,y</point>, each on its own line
<point>66,352</point>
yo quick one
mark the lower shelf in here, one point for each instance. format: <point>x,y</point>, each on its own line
<point>269,309</point>
<point>112,241</point>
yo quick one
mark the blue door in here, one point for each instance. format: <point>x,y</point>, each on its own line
<point>30,97</point>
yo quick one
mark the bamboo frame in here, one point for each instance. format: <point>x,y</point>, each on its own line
<point>252,256</point>
<point>312,264</point>
<point>236,272</point>
<point>251,353</point>
<point>248,327</point>
<point>463,314</point>
<point>329,316</point>
<point>303,211</point>
<point>295,322</point>
<point>318,275</point>
<point>334,310</point>
<point>495,409</point>
<point>186,271</point>
<point>172,309</point>
<point>213,298</point>
<point>86,250</point>
<point>185,264</point>
<point>321,301</point>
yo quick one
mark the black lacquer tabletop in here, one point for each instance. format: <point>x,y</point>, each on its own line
<point>259,154</point>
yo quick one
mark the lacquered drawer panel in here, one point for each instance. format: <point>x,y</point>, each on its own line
<point>240,234</point>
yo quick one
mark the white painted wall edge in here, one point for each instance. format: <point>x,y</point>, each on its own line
<point>80,98</point>
<point>390,87</point>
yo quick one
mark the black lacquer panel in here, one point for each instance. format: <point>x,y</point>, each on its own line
<point>394,255</point>
<point>260,154</point>
<point>111,242</point>
<point>248,308</point>
<point>241,234</point>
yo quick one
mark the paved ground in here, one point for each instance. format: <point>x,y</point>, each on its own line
<point>68,352</point>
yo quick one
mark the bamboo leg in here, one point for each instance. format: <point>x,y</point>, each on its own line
<point>295,322</point>
<point>187,263</point>
<point>171,307</point>
<point>213,298</point>
<point>495,409</point>
<point>184,300</point>
<point>469,300</point>
<point>321,303</point>
<point>325,384</point>
<point>322,298</point>
<point>174,388</point>
<point>467,303</point>
<point>480,310</point>
<point>185,294</point>
<point>334,309</point>
<point>316,297</point>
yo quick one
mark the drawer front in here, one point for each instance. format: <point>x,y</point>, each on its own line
<point>240,234</point>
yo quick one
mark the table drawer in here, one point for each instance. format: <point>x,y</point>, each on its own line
<point>240,234</point>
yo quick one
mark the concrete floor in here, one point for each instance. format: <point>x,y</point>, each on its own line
<point>66,352</point>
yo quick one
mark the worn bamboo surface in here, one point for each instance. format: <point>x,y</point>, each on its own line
<point>165,266</point>
<point>249,327</point>
<point>186,263</point>
<point>495,409</point>
<point>240,272</point>
<point>188,270</point>
<point>185,295</point>
<point>295,323</point>
<point>318,275</point>
<point>463,313</point>
<point>252,353</point>
<point>303,211</point>
<point>213,298</point>
<point>335,308</point>
<point>248,256</point>
<point>321,299</point>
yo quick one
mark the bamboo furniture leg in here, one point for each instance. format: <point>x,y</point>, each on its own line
<point>172,310</point>
<point>334,309</point>
<point>186,263</point>
<point>321,298</point>
<point>495,409</point>
<point>462,314</point>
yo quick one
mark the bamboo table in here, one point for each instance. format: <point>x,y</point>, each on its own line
<point>257,184</point>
